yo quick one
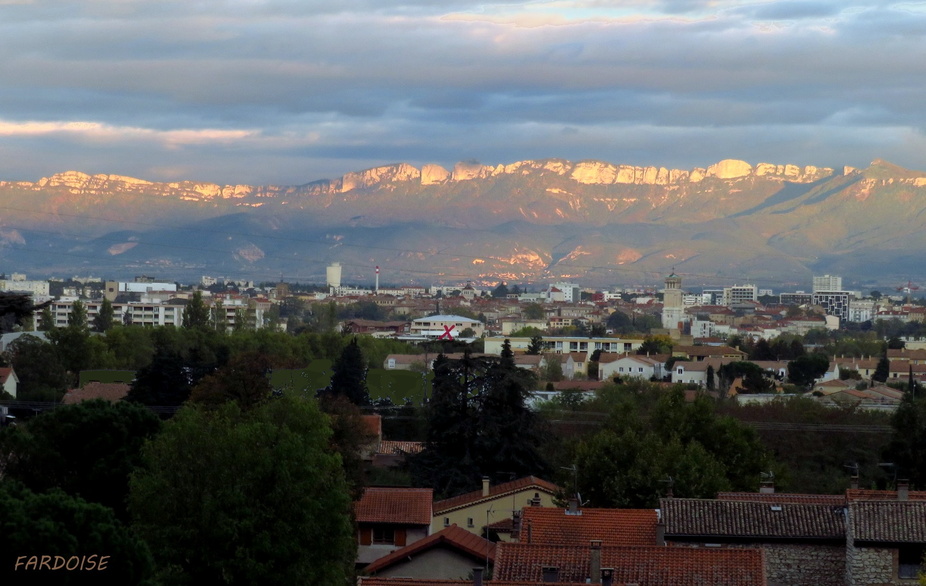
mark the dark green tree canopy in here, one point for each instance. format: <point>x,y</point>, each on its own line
<point>196,314</point>
<point>478,425</point>
<point>227,496</point>
<point>644,447</point>
<point>57,524</point>
<point>350,376</point>
<point>16,309</point>
<point>804,370</point>
<point>87,450</point>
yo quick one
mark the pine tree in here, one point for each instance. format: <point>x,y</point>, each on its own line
<point>103,321</point>
<point>196,314</point>
<point>350,376</point>
<point>508,437</point>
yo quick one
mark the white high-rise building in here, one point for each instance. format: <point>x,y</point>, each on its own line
<point>827,283</point>
<point>333,274</point>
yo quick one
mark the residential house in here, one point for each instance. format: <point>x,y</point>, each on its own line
<point>474,510</point>
<point>804,542</point>
<point>886,541</point>
<point>9,382</point>
<point>695,372</point>
<point>700,353</point>
<point>451,553</point>
<point>389,519</point>
<point>629,366</point>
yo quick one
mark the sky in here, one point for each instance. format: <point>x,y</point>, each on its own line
<point>291,91</point>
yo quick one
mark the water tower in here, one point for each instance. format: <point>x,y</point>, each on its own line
<point>333,274</point>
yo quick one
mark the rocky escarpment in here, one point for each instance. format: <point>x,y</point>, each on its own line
<point>385,177</point>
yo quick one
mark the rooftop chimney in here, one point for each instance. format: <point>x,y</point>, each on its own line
<point>607,576</point>
<point>550,574</point>
<point>903,490</point>
<point>853,482</point>
<point>573,508</point>
<point>661,532</point>
<point>767,487</point>
<point>594,570</point>
<point>477,576</point>
<point>485,486</point>
<point>515,524</point>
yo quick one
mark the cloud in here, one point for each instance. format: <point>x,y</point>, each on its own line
<point>317,89</point>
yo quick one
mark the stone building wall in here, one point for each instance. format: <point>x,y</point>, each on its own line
<point>796,564</point>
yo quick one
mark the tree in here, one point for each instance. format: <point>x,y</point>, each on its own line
<point>533,311</point>
<point>500,291</point>
<point>477,425</point>
<point>87,450</point>
<point>656,344</point>
<point>629,462</point>
<point>350,376</point>
<point>46,319</point>
<point>882,371</point>
<point>553,369</point>
<point>71,531</point>
<point>507,432</point>
<point>77,318</point>
<point>195,314</point>
<point>711,384</point>
<point>16,310</point>
<point>907,448</point>
<point>244,497</point>
<point>804,370</point>
<point>164,382</point>
<point>42,374</point>
<point>104,320</point>
<point>243,379</point>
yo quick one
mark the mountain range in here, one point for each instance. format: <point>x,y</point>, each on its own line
<point>531,221</point>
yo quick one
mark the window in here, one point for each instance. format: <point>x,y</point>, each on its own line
<point>446,521</point>
<point>384,535</point>
<point>469,522</point>
<point>909,560</point>
<point>640,369</point>
<point>620,369</point>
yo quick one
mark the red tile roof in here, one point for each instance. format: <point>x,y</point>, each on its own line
<point>96,390</point>
<point>399,447</point>
<point>406,506</point>
<point>855,494</point>
<point>377,581</point>
<point>373,424</point>
<point>545,525</point>
<point>504,488</point>
<point>645,566</point>
<point>452,537</point>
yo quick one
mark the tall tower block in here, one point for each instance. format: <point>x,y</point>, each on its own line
<point>673,308</point>
<point>333,274</point>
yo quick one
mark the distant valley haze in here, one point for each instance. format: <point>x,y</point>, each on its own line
<point>595,222</point>
<point>268,138</point>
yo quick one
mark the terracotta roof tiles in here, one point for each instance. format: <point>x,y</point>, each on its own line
<point>407,506</point>
<point>645,566</point>
<point>96,390</point>
<point>554,526</point>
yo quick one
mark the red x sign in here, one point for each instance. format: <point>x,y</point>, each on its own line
<point>447,333</point>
